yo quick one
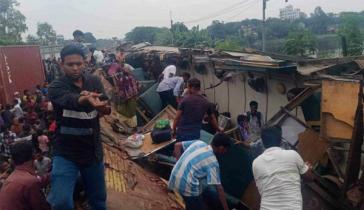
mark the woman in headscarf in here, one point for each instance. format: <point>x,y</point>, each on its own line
<point>128,90</point>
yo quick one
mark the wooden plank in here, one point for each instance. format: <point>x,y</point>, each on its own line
<point>338,115</point>
<point>310,147</point>
<point>142,114</point>
<point>335,164</point>
<point>148,145</point>
<point>322,200</point>
<point>168,113</point>
<point>354,156</point>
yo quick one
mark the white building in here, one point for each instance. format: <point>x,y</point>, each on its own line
<point>289,13</point>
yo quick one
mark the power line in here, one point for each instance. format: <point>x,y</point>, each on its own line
<point>218,12</point>
<point>243,10</point>
<point>143,5</point>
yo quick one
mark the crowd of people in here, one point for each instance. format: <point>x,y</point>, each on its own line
<point>51,137</point>
<point>277,171</point>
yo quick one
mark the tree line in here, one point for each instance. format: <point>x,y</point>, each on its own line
<point>300,35</point>
<point>12,26</point>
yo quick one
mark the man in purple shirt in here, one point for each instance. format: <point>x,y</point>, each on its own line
<point>22,189</point>
<point>191,112</point>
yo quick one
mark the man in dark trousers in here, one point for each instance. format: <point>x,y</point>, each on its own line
<point>171,89</point>
<point>191,112</point>
<point>78,100</point>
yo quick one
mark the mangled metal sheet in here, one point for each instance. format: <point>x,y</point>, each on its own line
<point>131,187</point>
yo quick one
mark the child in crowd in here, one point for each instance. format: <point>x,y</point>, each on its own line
<point>41,163</point>
<point>43,142</point>
<point>243,125</point>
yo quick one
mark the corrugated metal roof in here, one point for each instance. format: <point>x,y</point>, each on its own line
<point>21,68</point>
<point>307,70</point>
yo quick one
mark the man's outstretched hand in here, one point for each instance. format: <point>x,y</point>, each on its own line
<point>101,107</point>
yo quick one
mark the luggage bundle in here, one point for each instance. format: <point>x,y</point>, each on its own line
<point>162,131</point>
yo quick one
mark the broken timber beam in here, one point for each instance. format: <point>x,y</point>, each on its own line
<point>354,157</point>
<point>335,164</point>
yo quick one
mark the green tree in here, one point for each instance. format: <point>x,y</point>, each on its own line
<point>12,22</point>
<point>89,38</point>
<point>104,43</point>
<point>46,34</point>
<point>230,44</point>
<point>298,43</point>
<point>181,26</point>
<point>278,28</point>
<point>142,34</point>
<point>32,40</point>
<point>163,37</point>
<point>350,28</point>
<point>319,21</point>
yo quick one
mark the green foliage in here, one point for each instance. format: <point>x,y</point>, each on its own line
<point>33,40</point>
<point>89,38</point>
<point>298,43</point>
<point>163,37</point>
<point>230,44</point>
<point>104,43</point>
<point>142,34</point>
<point>12,22</point>
<point>350,29</point>
<point>46,34</point>
<point>181,27</point>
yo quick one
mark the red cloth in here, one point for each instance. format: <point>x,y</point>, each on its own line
<point>29,104</point>
<point>128,84</point>
<point>22,190</point>
<point>30,118</point>
<point>52,127</point>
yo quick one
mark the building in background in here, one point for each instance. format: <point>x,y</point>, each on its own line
<point>53,51</point>
<point>60,39</point>
<point>289,13</point>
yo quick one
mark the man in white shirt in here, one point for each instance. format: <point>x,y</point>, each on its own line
<point>17,97</point>
<point>277,173</point>
<point>17,111</point>
<point>170,71</point>
<point>99,57</point>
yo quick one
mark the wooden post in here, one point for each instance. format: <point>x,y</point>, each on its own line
<point>354,157</point>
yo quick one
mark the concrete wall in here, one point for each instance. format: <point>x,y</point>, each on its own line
<point>234,96</point>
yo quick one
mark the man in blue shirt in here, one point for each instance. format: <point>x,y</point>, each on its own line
<point>198,162</point>
<point>77,40</point>
<point>171,89</point>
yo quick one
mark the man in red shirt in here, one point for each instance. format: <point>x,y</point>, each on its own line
<point>22,189</point>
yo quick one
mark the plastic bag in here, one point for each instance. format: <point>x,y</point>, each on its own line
<point>162,124</point>
<point>134,141</point>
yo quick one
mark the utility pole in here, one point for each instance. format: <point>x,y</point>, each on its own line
<point>263,35</point>
<point>170,12</point>
<point>264,32</point>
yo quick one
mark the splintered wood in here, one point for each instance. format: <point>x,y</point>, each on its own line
<point>132,187</point>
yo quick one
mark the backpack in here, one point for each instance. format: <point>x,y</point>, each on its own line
<point>259,115</point>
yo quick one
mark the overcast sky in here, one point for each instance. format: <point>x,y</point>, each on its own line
<point>114,18</point>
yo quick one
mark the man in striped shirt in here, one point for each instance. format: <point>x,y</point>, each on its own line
<point>78,101</point>
<point>198,162</point>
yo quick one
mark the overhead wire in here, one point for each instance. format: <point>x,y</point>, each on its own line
<point>218,13</point>
<point>243,10</point>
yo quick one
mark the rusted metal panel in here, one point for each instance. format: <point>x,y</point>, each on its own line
<point>20,68</point>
